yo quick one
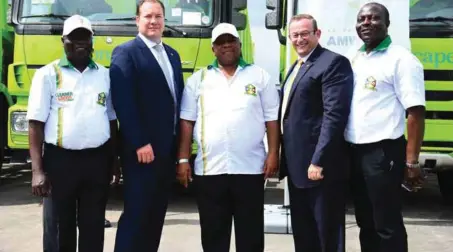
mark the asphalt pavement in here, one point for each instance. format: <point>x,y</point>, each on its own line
<point>428,221</point>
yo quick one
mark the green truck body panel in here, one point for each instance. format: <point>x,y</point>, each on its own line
<point>32,51</point>
<point>436,54</point>
<point>6,40</point>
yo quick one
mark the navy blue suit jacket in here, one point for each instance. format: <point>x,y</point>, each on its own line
<point>315,119</point>
<point>142,99</point>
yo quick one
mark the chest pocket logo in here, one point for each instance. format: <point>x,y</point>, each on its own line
<point>370,83</point>
<point>102,97</point>
<point>65,96</point>
<point>250,90</point>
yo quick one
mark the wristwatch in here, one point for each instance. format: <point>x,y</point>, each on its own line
<point>413,166</point>
<point>182,160</point>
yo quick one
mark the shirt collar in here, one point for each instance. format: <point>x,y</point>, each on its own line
<point>149,43</point>
<point>305,58</point>
<point>381,47</point>
<point>242,63</point>
<point>64,62</point>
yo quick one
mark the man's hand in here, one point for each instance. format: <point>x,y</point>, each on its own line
<point>116,172</point>
<point>184,174</point>
<point>315,172</point>
<point>271,165</point>
<point>414,177</point>
<point>39,184</point>
<point>145,154</point>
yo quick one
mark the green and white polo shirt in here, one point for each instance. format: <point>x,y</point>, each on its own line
<point>75,107</point>
<point>387,81</point>
<point>230,116</point>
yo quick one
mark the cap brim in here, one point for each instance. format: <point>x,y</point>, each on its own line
<point>81,27</point>
<point>225,33</point>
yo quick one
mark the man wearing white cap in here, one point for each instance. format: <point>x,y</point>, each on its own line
<point>72,139</point>
<point>228,107</point>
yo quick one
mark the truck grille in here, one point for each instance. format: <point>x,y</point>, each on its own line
<point>437,144</point>
<point>438,75</point>
<point>441,96</point>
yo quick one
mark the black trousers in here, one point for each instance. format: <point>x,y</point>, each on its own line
<point>80,185</point>
<point>222,198</point>
<point>376,176</point>
<point>318,217</point>
<point>50,231</point>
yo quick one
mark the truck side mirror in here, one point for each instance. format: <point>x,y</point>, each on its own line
<point>9,16</point>
<point>273,19</point>
<point>238,19</point>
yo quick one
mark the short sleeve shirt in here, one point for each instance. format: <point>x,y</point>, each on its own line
<point>230,118</point>
<point>387,81</point>
<point>75,106</point>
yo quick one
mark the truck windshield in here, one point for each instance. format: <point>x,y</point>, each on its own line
<point>432,11</point>
<point>114,12</point>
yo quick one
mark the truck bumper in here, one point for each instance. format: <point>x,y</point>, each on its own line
<point>436,161</point>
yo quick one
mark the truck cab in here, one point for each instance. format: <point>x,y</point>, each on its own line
<point>431,33</point>
<point>38,26</point>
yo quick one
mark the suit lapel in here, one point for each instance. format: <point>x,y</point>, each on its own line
<point>303,70</point>
<point>174,66</point>
<point>282,88</point>
<point>146,52</point>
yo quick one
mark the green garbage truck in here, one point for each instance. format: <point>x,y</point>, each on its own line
<point>34,28</point>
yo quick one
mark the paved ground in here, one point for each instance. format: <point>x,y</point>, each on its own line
<point>429,223</point>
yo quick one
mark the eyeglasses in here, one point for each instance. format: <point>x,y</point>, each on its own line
<point>304,34</point>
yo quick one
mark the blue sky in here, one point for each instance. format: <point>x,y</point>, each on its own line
<point>266,41</point>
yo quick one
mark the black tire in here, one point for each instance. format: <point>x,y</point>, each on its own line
<point>445,180</point>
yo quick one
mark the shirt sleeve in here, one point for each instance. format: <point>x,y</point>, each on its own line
<point>409,82</point>
<point>110,110</point>
<point>270,100</point>
<point>40,97</point>
<point>190,98</point>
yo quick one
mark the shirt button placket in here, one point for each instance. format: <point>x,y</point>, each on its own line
<point>84,96</point>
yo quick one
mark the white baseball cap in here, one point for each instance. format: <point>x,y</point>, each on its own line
<point>224,28</point>
<point>76,22</point>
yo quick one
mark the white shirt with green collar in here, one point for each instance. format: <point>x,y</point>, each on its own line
<point>387,81</point>
<point>75,106</point>
<point>230,116</point>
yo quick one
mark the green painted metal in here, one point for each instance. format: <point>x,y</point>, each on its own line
<point>6,37</point>
<point>39,50</point>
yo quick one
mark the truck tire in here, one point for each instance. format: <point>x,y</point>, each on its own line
<point>445,180</point>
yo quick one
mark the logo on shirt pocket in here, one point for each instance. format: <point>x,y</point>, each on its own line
<point>370,83</point>
<point>65,96</point>
<point>250,90</point>
<point>102,97</point>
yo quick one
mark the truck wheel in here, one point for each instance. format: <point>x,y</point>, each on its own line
<point>445,179</point>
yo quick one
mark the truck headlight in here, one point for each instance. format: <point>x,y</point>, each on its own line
<point>19,122</point>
